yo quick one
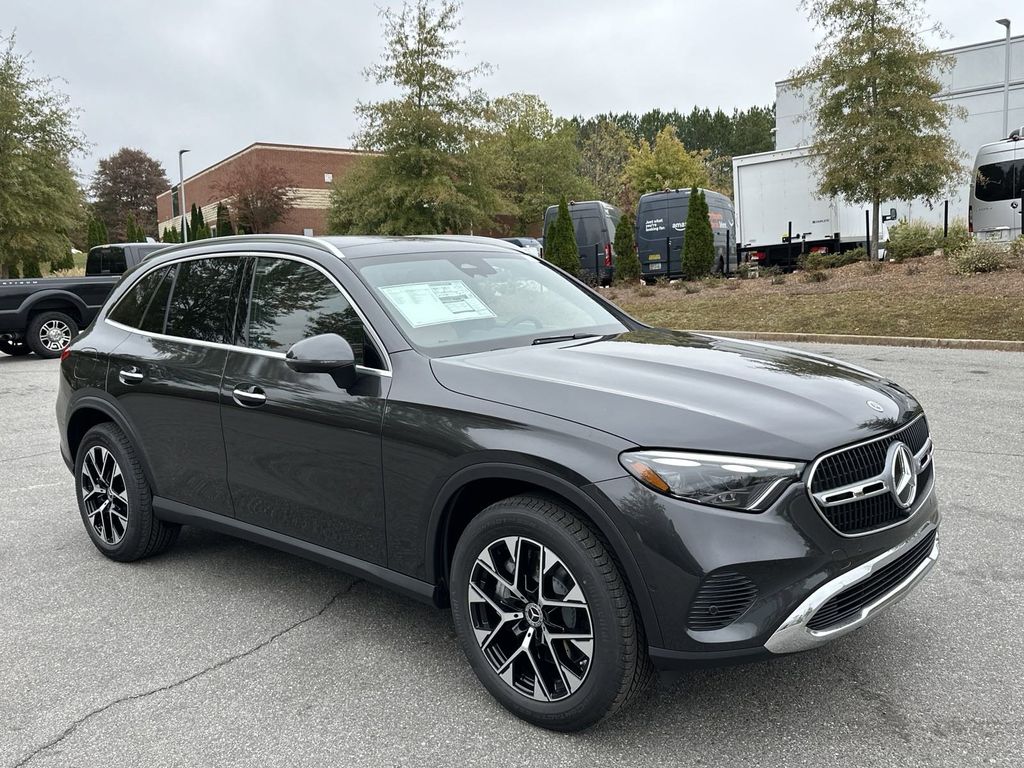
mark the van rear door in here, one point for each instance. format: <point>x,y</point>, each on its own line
<point>996,194</point>
<point>652,228</point>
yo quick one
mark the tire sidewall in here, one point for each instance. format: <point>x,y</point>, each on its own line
<point>603,681</point>
<point>139,497</point>
<point>37,322</point>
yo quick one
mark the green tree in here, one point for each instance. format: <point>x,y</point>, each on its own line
<point>627,264</point>
<point>94,237</point>
<point>560,241</point>
<point>41,203</point>
<point>426,179</point>
<point>532,158</point>
<point>171,235</point>
<point>224,228</point>
<point>665,165</point>
<point>197,229</point>
<point>125,186</point>
<point>605,152</point>
<point>879,134</point>
<point>698,239</point>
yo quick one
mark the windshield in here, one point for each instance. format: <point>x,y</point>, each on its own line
<point>454,303</point>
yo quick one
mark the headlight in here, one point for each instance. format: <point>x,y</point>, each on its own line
<point>732,482</point>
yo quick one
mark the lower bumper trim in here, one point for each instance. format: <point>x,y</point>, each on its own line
<point>794,634</point>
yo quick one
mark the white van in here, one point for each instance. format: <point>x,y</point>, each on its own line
<point>997,189</point>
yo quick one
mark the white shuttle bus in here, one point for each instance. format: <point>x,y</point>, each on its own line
<point>997,189</point>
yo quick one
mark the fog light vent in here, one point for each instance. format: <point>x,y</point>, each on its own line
<point>721,599</point>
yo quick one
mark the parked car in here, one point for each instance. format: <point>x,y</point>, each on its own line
<point>594,222</point>
<point>43,315</point>
<point>530,244</point>
<point>661,230</point>
<point>997,190</point>
<point>593,497</point>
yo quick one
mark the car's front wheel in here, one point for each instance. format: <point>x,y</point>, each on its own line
<point>115,499</point>
<point>544,616</point>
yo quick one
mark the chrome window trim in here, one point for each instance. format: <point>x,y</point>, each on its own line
<point>386,372</point>
<point>923,456</point>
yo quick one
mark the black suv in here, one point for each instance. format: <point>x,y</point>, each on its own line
<point>594,498</point>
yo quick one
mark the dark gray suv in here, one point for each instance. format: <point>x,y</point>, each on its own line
<point>593,497</point>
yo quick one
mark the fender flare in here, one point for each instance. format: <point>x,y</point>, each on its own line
<point>66,296</point>
<point>98,400</point>
<point>574,494</point>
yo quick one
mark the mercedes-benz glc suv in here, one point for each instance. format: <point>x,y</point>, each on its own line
<point>593,497</point>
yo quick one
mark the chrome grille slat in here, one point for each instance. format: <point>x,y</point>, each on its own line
<point>858,464</point>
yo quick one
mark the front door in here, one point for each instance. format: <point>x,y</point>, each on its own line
<point>304,456</point>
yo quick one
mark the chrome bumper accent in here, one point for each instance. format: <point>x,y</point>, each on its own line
<point>794,635</point>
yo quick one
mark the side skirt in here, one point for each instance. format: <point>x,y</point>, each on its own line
<point>176,512</point>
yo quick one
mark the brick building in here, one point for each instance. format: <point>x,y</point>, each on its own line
<point>312,171</point>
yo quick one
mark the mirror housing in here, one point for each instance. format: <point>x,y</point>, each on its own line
<point>327,353</point>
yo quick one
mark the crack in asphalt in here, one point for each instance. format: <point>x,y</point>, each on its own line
<point>29,456</point>
<point>178,683</point>
<point>891,715</point>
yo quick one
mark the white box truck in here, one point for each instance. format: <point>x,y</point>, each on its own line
<point>780,216</point>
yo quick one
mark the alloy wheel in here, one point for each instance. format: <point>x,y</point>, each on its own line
<point>55,335</point>
<point>104,495</point>
<point>531,618</point>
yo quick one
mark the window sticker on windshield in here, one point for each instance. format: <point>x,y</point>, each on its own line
<point>443,301</point>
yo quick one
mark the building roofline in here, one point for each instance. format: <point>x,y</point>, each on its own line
<point>956,49</point>
<point>273,146</point>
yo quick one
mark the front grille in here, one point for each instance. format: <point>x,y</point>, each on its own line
<point>863,462</point>
<point>721,599</point>
<point>850,601</point>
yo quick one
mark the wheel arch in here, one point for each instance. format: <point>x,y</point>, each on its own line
<point>91,410</point>
<point>469,491</point>
<point>54,301</point>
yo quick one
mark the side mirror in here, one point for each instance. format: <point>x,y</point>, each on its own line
<point>326,353</point>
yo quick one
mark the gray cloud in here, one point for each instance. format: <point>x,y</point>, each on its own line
<point>217,75</point>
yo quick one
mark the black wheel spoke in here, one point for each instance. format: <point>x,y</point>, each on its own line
<point>104,495</point>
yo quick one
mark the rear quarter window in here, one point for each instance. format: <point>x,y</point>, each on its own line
<point>132,307</point>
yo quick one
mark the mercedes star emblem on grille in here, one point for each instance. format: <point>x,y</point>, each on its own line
<point>903,474</point>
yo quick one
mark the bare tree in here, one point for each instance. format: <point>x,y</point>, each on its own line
<point>258,194</point>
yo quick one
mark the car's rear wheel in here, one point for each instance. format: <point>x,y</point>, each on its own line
<point>544,616</point>
<point>49,333</point>
<point>115,499</point>
<point>14,348</point>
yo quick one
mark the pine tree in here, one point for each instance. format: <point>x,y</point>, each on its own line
<point>197,229</point>
<point>93,237</point>
<point>171,235</point>
<point>224,228</point>
<point>101,233</point>
<point>560,241</point>
<point>131,231</point>
<point>698,240</point>
<point>627,265</point>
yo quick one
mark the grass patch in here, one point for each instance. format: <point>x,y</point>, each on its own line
<point>862,298</point>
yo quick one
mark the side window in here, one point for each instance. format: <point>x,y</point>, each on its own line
<point>203,299</point>
<point>292,301</point>
<point>131,309</point>
<point>153,320</point>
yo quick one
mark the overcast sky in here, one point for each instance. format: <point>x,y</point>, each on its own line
<point>216,75</point>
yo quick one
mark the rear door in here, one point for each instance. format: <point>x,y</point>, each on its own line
<point>589,224</point>
<point>996,196</point>
<point>166,376</point>
<point>303,455</point>
<point>652,228</point>
<point>676,209</point>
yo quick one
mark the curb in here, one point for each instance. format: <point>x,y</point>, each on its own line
<point>997,345</point>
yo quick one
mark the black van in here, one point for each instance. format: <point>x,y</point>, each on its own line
<point>595,222</point>
<point>660,228</point>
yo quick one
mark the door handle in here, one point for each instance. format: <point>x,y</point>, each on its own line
<point>248,396</point>
<point>131,376</point>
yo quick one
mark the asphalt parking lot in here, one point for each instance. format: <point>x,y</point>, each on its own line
<point>225,653</point>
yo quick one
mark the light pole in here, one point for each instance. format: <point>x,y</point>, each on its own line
<point>181,194</point>
<point>1006,80</point>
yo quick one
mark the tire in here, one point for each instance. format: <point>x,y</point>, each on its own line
<point>14,348</point>
<point>115,500</point>
<point>567,691</point>
<point>49,333</point>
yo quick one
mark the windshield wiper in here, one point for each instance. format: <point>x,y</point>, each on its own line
<point>570,337</point>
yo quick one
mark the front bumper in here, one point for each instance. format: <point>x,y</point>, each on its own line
<point>796,560</point>
<point>795,635</point>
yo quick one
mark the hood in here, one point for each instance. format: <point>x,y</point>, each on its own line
<point>669,389</point>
